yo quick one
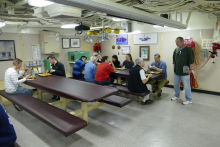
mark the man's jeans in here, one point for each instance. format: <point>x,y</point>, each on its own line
<point>23,90</point>
<point>187,87</point>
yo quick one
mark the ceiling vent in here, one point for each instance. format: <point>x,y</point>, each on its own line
<point>58,10</point>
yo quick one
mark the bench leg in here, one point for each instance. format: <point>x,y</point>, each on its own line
<point>63,103</point>
<point>85,111</point>
<point>39,94</point>
<point>119,80</point>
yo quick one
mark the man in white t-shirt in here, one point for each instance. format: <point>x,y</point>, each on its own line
<point>12,84</point>
<point>137,80</point>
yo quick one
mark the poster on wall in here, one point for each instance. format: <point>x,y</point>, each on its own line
<point>145,52</point>
<point>207,43</point>
<point>125,50</point>
<point>150,38</point>
<point>36,51</point>
<point>7,50</point>
<point>122,39</point>
<point>65,43</point>
<point>75,42</point>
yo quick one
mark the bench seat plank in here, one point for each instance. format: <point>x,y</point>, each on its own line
<point>116,101</point>
<point>60,120</point>
<point>124,88</point>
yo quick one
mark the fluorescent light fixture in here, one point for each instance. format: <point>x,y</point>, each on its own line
<point>156,26</point>
<point>67,26</point>
<point>93,28</point>
<point>88,39</point>
<point>136,32</point>
<point>2,23</point>
<point>119,19</point>
<point>39,3</point>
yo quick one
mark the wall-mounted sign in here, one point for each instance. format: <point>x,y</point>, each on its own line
<point>125,50</point>
<point>150,38</point>
<point>207,43</point>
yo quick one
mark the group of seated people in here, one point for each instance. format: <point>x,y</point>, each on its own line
<point>98,71</point>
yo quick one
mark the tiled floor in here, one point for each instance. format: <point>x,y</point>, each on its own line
<point>164,123</point>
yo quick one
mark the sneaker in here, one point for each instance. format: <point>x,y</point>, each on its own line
<point>17,107</point>
<point>175,98</point>
<point>147,102</point>
<point>159,94</point>
<point>54,97</point>
<point>58,98</point>
<point>187,102</point>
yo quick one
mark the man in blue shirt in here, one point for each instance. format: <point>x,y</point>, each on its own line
<point>78,67</point>
<point>90,70</point>
<point>160,66</point>
<point>7,132</point>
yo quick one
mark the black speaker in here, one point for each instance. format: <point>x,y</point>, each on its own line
<point>164,16</point>
<point>81,28</point>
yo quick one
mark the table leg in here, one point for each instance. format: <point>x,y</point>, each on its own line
<point>85,111</point>
<point>39,94</point>
<point>63,103</point>
<point>119,80</point>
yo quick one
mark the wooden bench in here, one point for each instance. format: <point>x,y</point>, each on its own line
<point>58,119</point>
<point>124,89</point>
<point>116,101</point>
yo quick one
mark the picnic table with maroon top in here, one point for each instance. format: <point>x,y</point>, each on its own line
<point>70,90</point>
<point>125,74</point>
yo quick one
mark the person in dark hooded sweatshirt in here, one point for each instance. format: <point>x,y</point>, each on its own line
<point>7,132</point>
<point>115,61</point>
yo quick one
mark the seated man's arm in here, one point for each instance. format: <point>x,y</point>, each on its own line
<point>94,71</point>
<point>122,65</point>
<point>143,77</point>
<point>149,69</point>
<point>158,69</point>
<point>21,74</point>
<point>14,79</point>
<point>60,71</point>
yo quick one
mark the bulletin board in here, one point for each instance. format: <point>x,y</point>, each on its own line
<point>7,50</point>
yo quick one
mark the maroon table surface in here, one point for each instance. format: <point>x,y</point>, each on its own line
<point>125,74</point>
<point>71,89</point>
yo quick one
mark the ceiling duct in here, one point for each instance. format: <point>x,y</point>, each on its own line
<point>121,11</point>
<point>57,10</point>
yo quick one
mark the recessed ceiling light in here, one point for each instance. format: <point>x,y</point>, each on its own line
<point>39,3</point>
<point>119,19</point>
<point>67,26</point>
<point>157,26</point>
<point>2,23</point>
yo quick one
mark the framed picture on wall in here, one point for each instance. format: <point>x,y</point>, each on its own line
<point>122,39</point>
<point>7,50</point>
<point>125,50</point>
<point>145,52</point>
<point>65,43</point>
<point>75,42</point>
